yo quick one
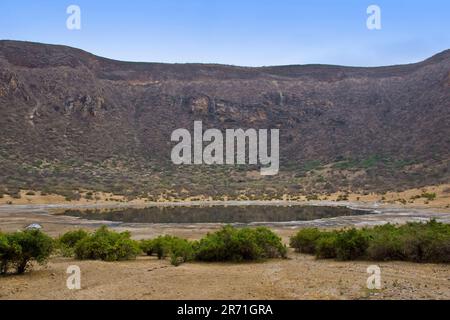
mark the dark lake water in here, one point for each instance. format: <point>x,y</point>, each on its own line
<point>215,214</point>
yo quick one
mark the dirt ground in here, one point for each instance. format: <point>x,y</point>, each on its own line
<point>299,277</point>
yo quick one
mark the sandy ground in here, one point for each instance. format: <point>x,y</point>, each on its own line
<point>299,277</point>
<point>405,198</point>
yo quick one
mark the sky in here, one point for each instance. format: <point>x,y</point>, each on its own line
<point>238,32</point>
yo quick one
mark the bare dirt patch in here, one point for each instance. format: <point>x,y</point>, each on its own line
<point>300,277</point>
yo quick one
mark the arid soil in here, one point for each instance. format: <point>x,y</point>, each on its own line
<point>299,277</point>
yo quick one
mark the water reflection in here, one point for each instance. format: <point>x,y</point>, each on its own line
<point>215,214</point>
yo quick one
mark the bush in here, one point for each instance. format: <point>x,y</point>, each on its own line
<point>179,250</point>
<point>147,246</point>
<point>351,244</point>
<point>7,253</point>
<point>107,245</point>
<point>414,241</point>
<point>68,241</point>
<point>326,245</point>
<point>428,195</point>
<point>270,243</point>
<point>428,242</point>
<point>20,248</point>
<point>162,246</point>
<point>231,244</point>
<point>228,244</point>
<point>305,240</point>
<point>385,243</point>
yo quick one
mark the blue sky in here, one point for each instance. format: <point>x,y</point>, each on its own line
<point>240,32</point>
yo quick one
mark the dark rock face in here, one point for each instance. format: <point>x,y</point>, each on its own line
<point>72,119</point>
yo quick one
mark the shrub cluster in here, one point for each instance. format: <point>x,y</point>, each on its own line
<point>67,242</point>
<point>106,245</point>
<point>231,244</point>
<point>19,249</point>
<point>227,244</point>
<point>414,241</point>
<point>179,250</point>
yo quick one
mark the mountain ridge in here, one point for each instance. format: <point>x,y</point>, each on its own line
<point>73,120</point>
<point>5,44</point>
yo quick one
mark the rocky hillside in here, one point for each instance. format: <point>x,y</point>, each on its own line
<point>71,120</point>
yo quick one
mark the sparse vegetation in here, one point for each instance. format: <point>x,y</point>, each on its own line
<point>429,195</point>
<point>342,197</point>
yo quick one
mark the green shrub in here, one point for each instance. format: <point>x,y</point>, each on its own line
<point>162,245</point>
<point>385,243</point>
<point>107,245</point>
<point>414,241</point>
<point>428,195</point>
<point>270,243</point>
<point>8,253</point>
<point>351,244</point>
<point>20,248</point>
<point>326,245</point>
<point>179,250</point>
<point>231,244</point>
<point>147,246</point>
<point>68,241</point>
<point>305,240</point>
<point>428,242</point>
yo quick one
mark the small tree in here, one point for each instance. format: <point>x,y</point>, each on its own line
<point>8,253</point>
<point>26,246</point>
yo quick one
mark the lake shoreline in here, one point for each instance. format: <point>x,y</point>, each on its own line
<point>298,277</point>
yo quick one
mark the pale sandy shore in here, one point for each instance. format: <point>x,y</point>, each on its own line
<point>14,217</point>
